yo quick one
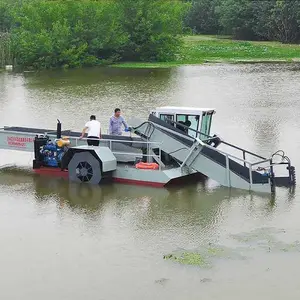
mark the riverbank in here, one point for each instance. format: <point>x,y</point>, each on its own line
<point>221,49</point>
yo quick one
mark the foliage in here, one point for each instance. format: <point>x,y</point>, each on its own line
<point>152,27</point>
<point>5,49</point>
<point>65,33</point>
<point>248,19</point>
<point>237,18</point>
<point>283,21</point>
<point>5,15</point>
<point>203,17</point>
<point>74,33</point>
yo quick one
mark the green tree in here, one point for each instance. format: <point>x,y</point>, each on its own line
<point>203,17</point>
<point>5,15</point>
<point>153,28</point>
<point>284,21</point>
<point>60,33</point>
<point>237,18</point>
<point>66,33</point>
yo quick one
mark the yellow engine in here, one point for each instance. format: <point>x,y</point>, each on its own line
<point>64,141</point>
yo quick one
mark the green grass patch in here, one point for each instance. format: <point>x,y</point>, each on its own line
<point>201,49</point>
<point>219,49</point>
<point>142,65</point>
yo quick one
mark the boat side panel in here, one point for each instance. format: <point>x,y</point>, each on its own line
<point>24,141</point>
<point>130,173</point>
<point>16,141</point>
<point>123,174</point>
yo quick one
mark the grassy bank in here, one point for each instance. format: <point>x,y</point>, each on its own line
<point>211,49</point>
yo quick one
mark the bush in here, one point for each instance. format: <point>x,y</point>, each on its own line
<point>49,34</point>
<point>153,28</point>
<point>58,33</point>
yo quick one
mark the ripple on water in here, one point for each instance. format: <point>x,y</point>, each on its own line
<point>265,239</point>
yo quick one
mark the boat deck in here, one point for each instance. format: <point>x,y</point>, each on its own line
<point>70,133</point>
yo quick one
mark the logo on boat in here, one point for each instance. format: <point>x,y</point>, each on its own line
<point>19,142</point>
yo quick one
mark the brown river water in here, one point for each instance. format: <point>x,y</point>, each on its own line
<point>66,241</point>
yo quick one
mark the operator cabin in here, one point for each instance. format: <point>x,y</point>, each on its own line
<point>196,119</point>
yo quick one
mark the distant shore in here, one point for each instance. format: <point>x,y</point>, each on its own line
<point>201,49</point>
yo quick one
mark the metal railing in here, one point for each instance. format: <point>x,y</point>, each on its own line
<point>149,146</point>
<point>245,162</point>
<point>228,156</point>
<point>209,138</point>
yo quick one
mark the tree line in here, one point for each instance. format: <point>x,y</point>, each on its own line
<point>73,33</point>
<point>275,20</point>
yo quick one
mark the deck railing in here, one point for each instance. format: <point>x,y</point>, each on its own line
<point>76,140</point>
<point>209,138</point>
<point>246,163</point>
<point>149,146</point>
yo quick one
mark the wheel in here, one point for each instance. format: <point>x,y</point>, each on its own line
<point>84,167</point>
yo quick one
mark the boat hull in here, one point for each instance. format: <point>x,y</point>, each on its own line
<point>130,175</point>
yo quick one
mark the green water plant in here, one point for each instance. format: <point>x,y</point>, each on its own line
<point>204,256</point>
<point>188,258</point>
<point>266,239</point>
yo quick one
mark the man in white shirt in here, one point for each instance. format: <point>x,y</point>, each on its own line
<point>93,128</point>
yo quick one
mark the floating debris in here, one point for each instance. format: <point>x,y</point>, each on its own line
<point>162,281</point>
<point>188,258</point>
<point>264,238</point>
<point>204,280</point>
<point>205,256</point>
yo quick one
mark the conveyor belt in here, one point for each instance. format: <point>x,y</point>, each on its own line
<point>204,159</point>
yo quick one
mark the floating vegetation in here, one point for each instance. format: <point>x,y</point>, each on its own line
<point>203,257</point>
<point>188,258</point>
<point>264,238</point>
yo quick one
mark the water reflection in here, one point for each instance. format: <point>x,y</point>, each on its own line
<point>191,205</point>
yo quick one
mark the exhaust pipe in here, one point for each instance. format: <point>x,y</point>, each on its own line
<point>58,129</point>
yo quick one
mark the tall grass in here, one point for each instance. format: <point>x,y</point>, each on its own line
<point>6,57</point>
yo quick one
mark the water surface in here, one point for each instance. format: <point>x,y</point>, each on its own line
<point>65,241</point>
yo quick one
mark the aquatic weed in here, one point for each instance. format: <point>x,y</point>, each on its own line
<point>189,258</point>
<point>263,238</point>
<point>204,256</point>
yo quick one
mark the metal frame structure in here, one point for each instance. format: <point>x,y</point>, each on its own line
<point>189,155</point>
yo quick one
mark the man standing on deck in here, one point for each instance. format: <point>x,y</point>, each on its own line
<point>115,123</point>
<point>94,131</point>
